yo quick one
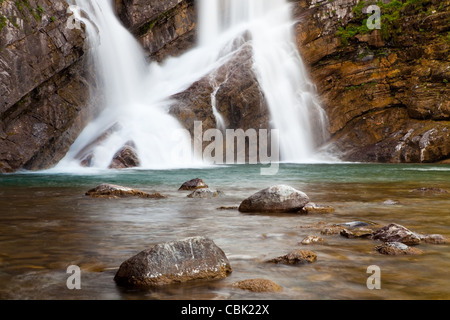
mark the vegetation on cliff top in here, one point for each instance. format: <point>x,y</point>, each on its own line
<point>391,15</point>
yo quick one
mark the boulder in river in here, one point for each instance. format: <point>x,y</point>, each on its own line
<point>278,198</point>
<point>107,190</point>
<point>196,258</point>
<point>258,285</point>
<point>296,257</point>
<point>193,184</point>
<point>396,233</point>
<point>397,248</point>
<point>126,157</point>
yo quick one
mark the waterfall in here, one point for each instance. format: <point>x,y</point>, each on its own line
<point>294,108</point>
<point>138,93</point>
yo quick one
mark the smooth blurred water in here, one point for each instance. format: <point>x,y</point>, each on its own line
<point>47,224</point>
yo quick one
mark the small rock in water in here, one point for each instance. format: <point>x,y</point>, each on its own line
<point>107,190</point>
<point>390,202</point>
<point>356,233</point>
<point>205,193</point>
<point>331,230</point>
<point>174,262</point>
<point>433,239</point>
<point>228,208</point>
<point>193,184</point>
<point>296,257</point>
<point>429,190</point>
<point>315,208</point>
<point>396,233</point>
<point>278,199</point>
<point>353,224</point>
<point>312,240</point>
<point>397,248</point>
<point>258,285</point>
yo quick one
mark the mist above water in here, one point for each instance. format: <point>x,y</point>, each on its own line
<point>138,93</point>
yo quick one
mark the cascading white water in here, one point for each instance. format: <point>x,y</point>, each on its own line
<point>138,94</point>
<point>136,104</point>
<point>277,64</point>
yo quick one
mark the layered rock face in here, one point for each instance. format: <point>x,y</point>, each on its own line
<point>385,90</point>
<point>45,83</point>
<point>164,28</point>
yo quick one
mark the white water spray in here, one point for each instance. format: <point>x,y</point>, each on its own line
<point>138,94</point>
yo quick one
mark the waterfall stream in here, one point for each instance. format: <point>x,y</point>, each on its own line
<point>138,93</point>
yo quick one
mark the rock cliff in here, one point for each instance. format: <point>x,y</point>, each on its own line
<point>385,90</point>
<point>45,81</point>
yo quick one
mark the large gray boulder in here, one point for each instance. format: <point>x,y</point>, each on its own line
<point>278,198</point>
<point>174,262</point>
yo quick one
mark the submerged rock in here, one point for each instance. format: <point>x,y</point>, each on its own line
<point>397,248</point>
<point>228,208</point>
<point>174,262</point>
<point>258,285</point>
<point>353,224</point>
<point>205,193</point>
<point>316,208</point>
<point>429,190</point>
<point>107,190</point>
<point>296,257</point>
<point>356,233</point>
<point>396,233</point>
<point>279,198</point>
<point>193,184</point>
<point>390,202</point>
<point>312,240</point>
<point>433,239</point>
<point>331,230</point>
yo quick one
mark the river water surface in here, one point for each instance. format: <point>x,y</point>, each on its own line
<point>47,224</point>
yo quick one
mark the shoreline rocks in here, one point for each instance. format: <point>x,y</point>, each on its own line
<point>195,258</point>
<point>111,191</point>
<point>277,199</point>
